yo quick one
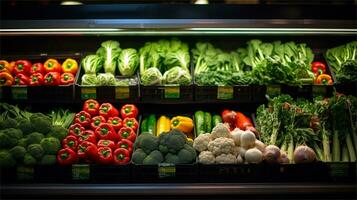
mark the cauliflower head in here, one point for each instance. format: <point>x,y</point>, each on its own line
<point>226,159</point>
<point>221,146</point>
<point>206,157</point>
<point>201,142</point>
<point>220,130</point>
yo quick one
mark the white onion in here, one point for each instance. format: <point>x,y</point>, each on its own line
<point>260,145</point>
<point>253,156</point>
<point>272,154</point>
<point>247,139</point>
<point>236,133</point>
<point>240,159</point>
<point>242,151</point>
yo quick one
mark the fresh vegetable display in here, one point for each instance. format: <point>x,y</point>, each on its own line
<point>343,61</point>
<point>165,62</point>
<point>28,139</point>
<point>204,122</point>
<point>101,68</point>
<point>100,134</point>
<point>23,72</point>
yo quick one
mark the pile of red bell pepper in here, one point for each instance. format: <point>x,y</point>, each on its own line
<point>100,134</point>
<point>237,119</point>
<point>321,76</point>
<point>52,72</point>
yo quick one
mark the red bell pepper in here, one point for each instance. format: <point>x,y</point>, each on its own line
<point>116,123</point>
<point>126,133</point>
<point>105,155</point>
<point>67,78</point>
<point>83,118</point>
<point>131,123</point>
<point>107,143</point>
<point>107,110</point>
<point>318,68</point>
<point>88,136</point>
<point>22,66</point>
<point>87,151</point>
<point>126,144</point>
<point>129,111</point>
<point>70,142</point>
<point>96,121</point>
<point>52,65</point>
<point>121,156</point>
<point>66,157</point>
<point>229,116</point>
<point>37,68</point>
<point>52,78</point>
<point>105,132</point>
<point>244,123</point>
<point>36,79</point>
<point>76,130</point>
<point>21,79</point>
<point>91,106</point>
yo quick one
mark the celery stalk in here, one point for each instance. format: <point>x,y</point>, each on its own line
<point>291,150</point>
<point>319,153</point>
<point>336,147</point>
<point>326,147</point>
<point>345,154</point>
<point>283,146</point>
<point>351,151</point>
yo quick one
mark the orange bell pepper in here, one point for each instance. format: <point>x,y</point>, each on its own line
<point>5,66</point>
<point>70,66</point>
<point>6,79</point>
<point>52,65</point>
<point>324,79</point>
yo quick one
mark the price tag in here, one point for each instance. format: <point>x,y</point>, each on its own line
<point>89,92</point>
<point>172,91</point>
<point>273,90</point>
<point>25,173</point>
<point>319,90</point>
<point>166,170</point>
<point>224,92</point>
<point>80,172</point>
<point>19,92</point>
<point>122,92</point>
<point>339,170</point>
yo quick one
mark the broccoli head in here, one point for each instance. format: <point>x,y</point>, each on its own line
<point>6,159</point>
<point>157,155</point>
<point>8,123</point>
<point>22,142</point>
<point>13,132</point>
<point>35,150</point>
<point>34,138</point>
<point>50,145</point>
<point>41,123</point>
<point>147,143</point>
<point>162,143</point>
<point>187,155</point>
<point>29,160</point>
<point>58,132</point>
<point>25,126</point>
<point>48,160</point>
<point>172,158</point>
<point>138,156</point>
<point>18,152</point>
<point>150,161</point>
<point>7,141</point>
<point>175,141</point>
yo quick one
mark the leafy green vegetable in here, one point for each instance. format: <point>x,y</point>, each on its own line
<point>110,51</point>
<point>92,64</point>
<point>128,62</point>
<point>106,79</point>
<point>89,79</point>
<point>177,75</point>
<point>151,76</point>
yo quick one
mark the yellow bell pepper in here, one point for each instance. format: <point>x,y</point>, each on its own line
<point>182,123</point>
<point>6,79</point>
<point>5,66</point>
<point>162,125</point>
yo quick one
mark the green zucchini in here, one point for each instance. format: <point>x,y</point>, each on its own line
<point>152,124</point>
<point>216,119</point>
<point>200,122</point>
<point>208,122</point>
<point>144,125</point>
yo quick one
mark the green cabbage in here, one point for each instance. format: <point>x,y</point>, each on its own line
<point>106,79</point>
<point>92,64</point>
<point>151,76</point>
<point>177,75</point>
<point>110,51</point>
<point>89,79</point>
<point>128,62</point>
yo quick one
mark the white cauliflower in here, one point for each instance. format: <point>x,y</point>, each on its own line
<point>226,159</point>
<point>236,150</point>
<point>206,157</point>
<point>201,142</point>
<point>220,131</point>
<point>221,146</point>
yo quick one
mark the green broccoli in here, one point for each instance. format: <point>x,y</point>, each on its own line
<point>25,126</point>
<point>6,159</point>
<point>35,150</point>
<point>34,138</point>
<point>18,152</point>
<point>8,123</point>
<point>58,132</point>
<point>138,156</point>
<point>157,155</point>
<point>13,132</point>
<point>149,160</point>
<point>22,142</point>
<point>147,143</point>
<point>187,155</point>
<point>48,160</point>
<point>172,158</point>
<point>50,145</point>
<point>162,143</point>
<point>41,123</point>
<point>175,141</point>
<point>29,160</point>
<point>7,141</point>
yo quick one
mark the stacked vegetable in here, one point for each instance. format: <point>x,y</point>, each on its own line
<point>165,62</point>
<point>204,122</point>
<point>99,135</point>
<point>169,147</point>
<point>23,72</point>
<point>343,60</point>
<point>109,58</point>
<point>31,138</point>
<point>164,124</point>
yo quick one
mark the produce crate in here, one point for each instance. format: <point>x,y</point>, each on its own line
<point>40,93</point>
<point>237,93</point>
<point>107,93</point>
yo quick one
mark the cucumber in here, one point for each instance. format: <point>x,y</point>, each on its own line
<point>200,122</point>
<point>216,119</point>
<point>152,124</point>
<point>144,125</point>
<point>208,122</point>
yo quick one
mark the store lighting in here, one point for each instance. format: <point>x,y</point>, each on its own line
<point>71,3</point>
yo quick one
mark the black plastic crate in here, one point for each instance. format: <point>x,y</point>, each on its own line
<point>237,93</point>
<point>166,93</point>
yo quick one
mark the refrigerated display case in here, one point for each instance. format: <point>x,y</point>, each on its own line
<point>58,31</point>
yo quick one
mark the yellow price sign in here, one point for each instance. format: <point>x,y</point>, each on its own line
<point>122,92</point>
<point>172,91</point>
<point>89,92</point>
<point>225,92</point>
<point>80,172</point>
<point>19,92</point>
<point>166,170</point>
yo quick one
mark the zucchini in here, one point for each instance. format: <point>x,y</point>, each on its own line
<point>144,125</point>
<point>152,124</point>
<point>208,122</point>
<point>216,119</point>
<point>200,122</point>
